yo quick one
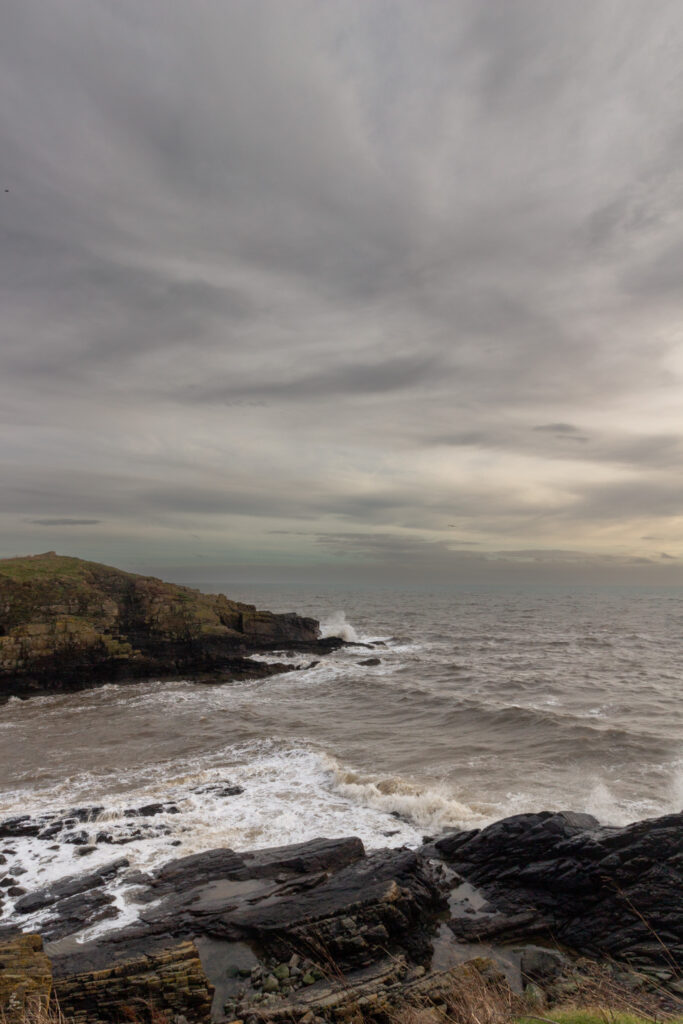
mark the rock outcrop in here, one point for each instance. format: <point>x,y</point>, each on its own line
<point>67,624</point>
<point>302,932</point>
<point>599,890</point>
<point>25,977</point>
<point>163,985</point>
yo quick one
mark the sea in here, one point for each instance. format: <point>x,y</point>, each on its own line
<point>480,703</point>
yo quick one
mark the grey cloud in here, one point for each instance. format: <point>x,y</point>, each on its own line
<point>227,222</point>
<point>65,522</point>
<point>397,374</point>
<point>566,430</point>
<point>656,498</point>
<point>644,452</point>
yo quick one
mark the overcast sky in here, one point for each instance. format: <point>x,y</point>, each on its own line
<point>374,287</point>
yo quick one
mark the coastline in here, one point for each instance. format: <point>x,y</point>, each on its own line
<point>533,894</point>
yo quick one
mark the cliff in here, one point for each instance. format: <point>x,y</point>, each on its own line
<point>67,624</point>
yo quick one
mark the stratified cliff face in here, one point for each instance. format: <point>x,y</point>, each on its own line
<point>68,624</point>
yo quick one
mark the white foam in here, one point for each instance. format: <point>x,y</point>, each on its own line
<point>676,787</point>
<point>430,807</point>
<point>336,625</point>
<point>289,796</point>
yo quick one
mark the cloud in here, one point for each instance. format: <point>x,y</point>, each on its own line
<point>358,379</point>
<point>65,522</point>
<point>376,268</point>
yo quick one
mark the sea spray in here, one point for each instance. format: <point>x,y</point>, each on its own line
<point>336,625</point>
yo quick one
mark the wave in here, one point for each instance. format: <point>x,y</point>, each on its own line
<point>434,808</point>
<point>336,625</point>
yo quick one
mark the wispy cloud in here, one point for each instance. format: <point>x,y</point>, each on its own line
<point>373,267</point>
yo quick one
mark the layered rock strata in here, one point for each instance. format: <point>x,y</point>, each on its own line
<point>302,932</point>
<point>25,978</point>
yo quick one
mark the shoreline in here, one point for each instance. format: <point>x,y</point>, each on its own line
<point>557,882</point>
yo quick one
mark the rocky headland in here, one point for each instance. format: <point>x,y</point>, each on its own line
<point>68,624</point>
<point>324,930</point>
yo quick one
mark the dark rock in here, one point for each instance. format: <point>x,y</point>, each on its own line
<point>371,661</point>
<point>19,828</point>
<point>221,789</point>
<point>149,810</point>
<point>303,858</point>
<point>311,901</point>
<point>83,814</point>
<point>68,887</point>
<point>76,913</point>
<point>75,838</point>
<point>596,889</point>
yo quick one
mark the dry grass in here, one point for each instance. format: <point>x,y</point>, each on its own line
<point>475,994</point>
<point>618,992</point>
<point>469,998</point>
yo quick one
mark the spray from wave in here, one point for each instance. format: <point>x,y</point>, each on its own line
<point>336,625</point>
<point>428,807</point>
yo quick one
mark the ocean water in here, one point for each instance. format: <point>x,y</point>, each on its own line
<point>484,703</point>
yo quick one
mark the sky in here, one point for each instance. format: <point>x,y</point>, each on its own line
<point>344,289</point>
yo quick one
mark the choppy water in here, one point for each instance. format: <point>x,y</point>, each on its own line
<point>484,704</point>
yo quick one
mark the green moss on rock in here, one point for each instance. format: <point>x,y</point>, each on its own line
<point>77,618</point>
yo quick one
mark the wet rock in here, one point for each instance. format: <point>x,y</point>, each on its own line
<point>219,789</point>
<point>596,889</point>
<point>149,810</point>
<point>19,828</point>
<point>322,899</point>
<point>68,887</point>
<point>75,838</point>
<point>371,661</point>
<point>78,912</point>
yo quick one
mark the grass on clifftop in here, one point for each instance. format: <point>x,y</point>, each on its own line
<point>51,565</point>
